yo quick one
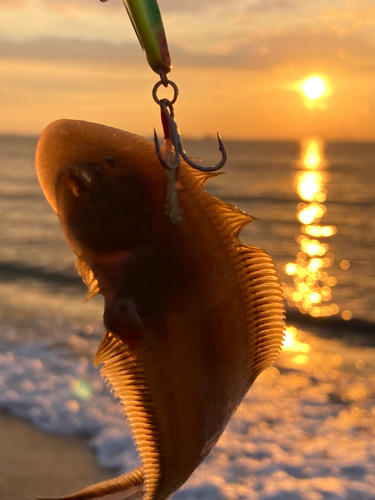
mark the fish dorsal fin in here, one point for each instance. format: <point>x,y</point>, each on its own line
<point>123,373</point>
<point>234,218</point>
<point>88,278</point>
<point>201,178</point>
<point>264,307</point>
<point>129,486</point>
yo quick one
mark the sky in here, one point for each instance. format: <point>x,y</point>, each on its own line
<point>240,66</point>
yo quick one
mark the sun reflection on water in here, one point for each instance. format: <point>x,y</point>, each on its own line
<point>312,292</point>
<point>292,341</point>
<point>312,154</point>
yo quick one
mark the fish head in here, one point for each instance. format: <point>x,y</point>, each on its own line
<point>103,192</point>
<point>100,210</point>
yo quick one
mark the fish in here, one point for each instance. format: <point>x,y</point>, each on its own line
<point>192,315</point>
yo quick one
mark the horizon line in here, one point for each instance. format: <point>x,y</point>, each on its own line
<point>229,139</point>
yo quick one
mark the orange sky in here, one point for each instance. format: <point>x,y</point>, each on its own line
<point>239,65</point>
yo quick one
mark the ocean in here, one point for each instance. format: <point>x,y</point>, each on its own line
<point>306,430</point>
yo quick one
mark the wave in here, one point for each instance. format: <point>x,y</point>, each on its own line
<point>294,201</point>
<point>21,196</point>
<point>13,271</point>
<point>260,451</point>
<point>355,331</point>
<point>58,393</point>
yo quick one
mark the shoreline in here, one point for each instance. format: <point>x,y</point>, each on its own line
<point>34,463</point>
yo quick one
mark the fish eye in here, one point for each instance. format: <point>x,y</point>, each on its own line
<point>110,161</point>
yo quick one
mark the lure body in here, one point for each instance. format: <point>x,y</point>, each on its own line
<point>148,25</point>
<point>192,315</point>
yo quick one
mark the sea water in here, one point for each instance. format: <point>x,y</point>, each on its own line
<point>306,428</point>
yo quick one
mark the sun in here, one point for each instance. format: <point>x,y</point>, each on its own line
<point>314,87</point>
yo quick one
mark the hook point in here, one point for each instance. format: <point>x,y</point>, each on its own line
<point>221,144</point>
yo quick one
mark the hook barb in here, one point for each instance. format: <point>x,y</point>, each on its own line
<point>218,166</point>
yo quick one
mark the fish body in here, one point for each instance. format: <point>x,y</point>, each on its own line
<point>192,315</point>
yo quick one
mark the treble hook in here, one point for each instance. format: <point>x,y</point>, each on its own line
<point>172,133</point>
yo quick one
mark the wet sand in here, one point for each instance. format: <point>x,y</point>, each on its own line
<point>33,463</point>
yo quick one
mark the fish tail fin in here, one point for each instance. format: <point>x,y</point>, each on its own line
<point>129,486</point>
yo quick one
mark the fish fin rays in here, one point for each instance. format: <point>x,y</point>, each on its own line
<point>121,370</point>
<point>200,177</point>
<point>264,307</point>
<point>88,278</point>
<point>234,218</point>
<point>129,486</point>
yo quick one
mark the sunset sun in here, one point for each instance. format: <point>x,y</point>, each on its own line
<point>313,87</point>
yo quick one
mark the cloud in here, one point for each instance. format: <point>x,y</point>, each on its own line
<point>57,50</point>
<point>14,4</point>
<point>303,48</point>
<point>165,5</point>
<point>84,5</point>
<point>264,5</point>
<point>317,51</point>
<point>189,5</point>
<point>222,23</point>
<point>350,19</point>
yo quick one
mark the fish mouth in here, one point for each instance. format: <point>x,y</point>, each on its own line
<point>122,318</point>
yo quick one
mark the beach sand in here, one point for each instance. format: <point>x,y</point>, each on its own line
<point>29,458</point>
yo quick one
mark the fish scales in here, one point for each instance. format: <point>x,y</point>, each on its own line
<point>192,314</point>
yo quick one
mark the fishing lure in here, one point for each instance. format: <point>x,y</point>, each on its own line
<point>192,315</point>
<point>148,25</point>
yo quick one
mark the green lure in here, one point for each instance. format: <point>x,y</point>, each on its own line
<point>148,25</point>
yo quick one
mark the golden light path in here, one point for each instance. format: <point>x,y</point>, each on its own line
<point>312,292</point>
<point>314,87</point>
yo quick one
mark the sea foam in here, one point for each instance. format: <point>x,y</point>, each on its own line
<point>305,431</point>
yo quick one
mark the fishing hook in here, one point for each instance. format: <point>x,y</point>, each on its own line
<point>172,133</point>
